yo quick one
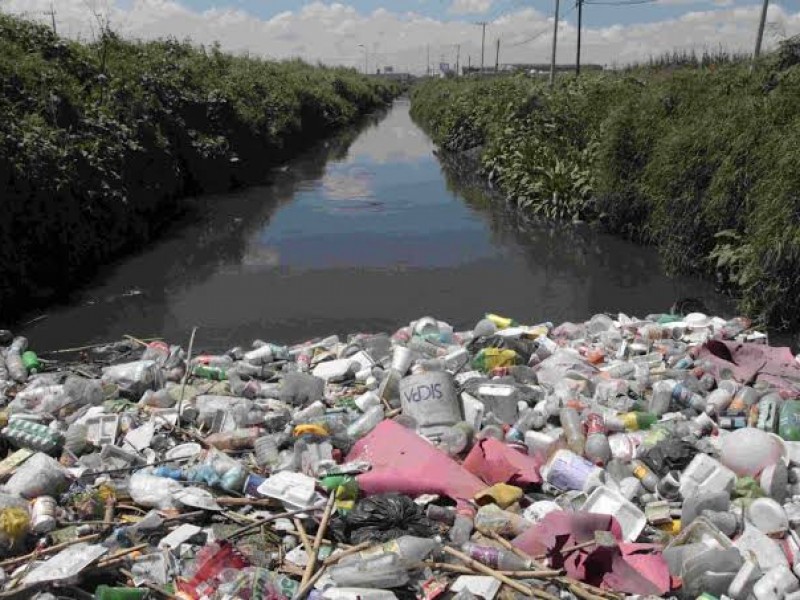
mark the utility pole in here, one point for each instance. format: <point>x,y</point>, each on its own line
<point>458,60</point>
<point>497,57</point>
<point>553,57</point>
<point>578,51</point>
<point>52,13</point>
<point>483,41</point>
<point>469,63</point>
<point>428,63</point>
<point>761,24</point>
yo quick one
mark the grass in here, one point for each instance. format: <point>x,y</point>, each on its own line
<point>699,156</point>
<point>100,142</point>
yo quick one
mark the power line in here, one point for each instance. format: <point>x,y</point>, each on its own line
<point>542,31</point>
<point>620,2</point>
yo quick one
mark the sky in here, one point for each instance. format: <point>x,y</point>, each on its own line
<point>406,34</point>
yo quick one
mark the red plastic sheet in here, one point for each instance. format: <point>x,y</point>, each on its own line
<point>748,363</point>
<point>405,463</point>
<point>622,567</point>
<point>495,462</point>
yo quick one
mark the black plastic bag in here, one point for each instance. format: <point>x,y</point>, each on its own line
<point>382,518</point>
<point>670,454</point>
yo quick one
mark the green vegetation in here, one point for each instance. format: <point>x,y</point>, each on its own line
<point>99,142</point>
<point>702,161</point>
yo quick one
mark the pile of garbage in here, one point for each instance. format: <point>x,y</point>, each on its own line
<point>617,457</point>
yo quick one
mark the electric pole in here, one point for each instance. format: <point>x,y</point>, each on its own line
<point>469,64</point>
<point>428,61</point>
<point>52,13</point>
<point>497,57</point>
<point>555,43</point>
<point>761,24</point>
<point>578,51</point>
<point>483,41</point>
<point>458,60</point>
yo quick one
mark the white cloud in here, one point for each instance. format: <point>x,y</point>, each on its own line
<point>466,7</point>
<point>332,32</point>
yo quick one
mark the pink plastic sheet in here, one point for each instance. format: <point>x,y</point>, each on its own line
<point>405,463</point>
<point>495,462</point>
<point>623,567</point>
<point>748,363</point>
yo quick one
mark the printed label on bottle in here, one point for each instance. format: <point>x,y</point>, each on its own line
<point>486,555</point>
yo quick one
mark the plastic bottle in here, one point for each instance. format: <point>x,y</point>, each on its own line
<point>384,571</point>
<point>718,401</point>
<point>463,524</point>
<point>27,434</point>
<point>789,424</point>
<point>573,430</point>
<point>528,419</point>
<point>105,592</point>
<point>493,518</point>
<point>456,439</point>
<point>661,399</point>
<point>643,473</point>
<point>685,397</point>
<point>266,451</point>
<point>238,439</point>
<point>366,422</point>
<point>31,362</point>
<point>597,448</point>
<point>496,558</point>
<point>16,368</point>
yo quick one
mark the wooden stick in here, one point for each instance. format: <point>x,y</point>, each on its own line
<point>260,522</point>
<point>89,347</point>
<point>323,526</point>
<point>185,376</point>
<point>50,550</point>
<point>546,574</point>
<point>133,339</point>
<point>568,581</point>
<point>515,585</point>
<point>120,554</point>
<point>301,531</point>
<point>332,560</point>
<point>568,550</point>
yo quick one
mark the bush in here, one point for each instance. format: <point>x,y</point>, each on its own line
<point>697,156</point>
<point>99,142</point>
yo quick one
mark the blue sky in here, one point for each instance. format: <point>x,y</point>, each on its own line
<point>600,15</point>
<point>398,33</point>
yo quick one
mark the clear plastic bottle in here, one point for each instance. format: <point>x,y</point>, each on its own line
<point>456,439</point>
<point>661,399</point>
<point>366,422</point>
<point>573,430</point>
<point>383,571</point>
<point>462,527</point>
<point>238,439</point>
<point>597,448</point>
<point>496,558</point>
<point>644,474</point>
<point>16,368</point>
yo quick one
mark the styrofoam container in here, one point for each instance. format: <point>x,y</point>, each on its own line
<point>294,489</point>
<point>605,501</point>
<point>705,474</point>
<point>330,369</point>
<point>473,410</point>
<point>766,551</point>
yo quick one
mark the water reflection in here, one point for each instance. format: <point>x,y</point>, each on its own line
<point>365,232</point>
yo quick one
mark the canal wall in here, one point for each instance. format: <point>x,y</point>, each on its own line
<point>702,162</point>
<point>100,144</point>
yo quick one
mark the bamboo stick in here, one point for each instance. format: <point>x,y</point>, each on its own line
<point>50,550</point>
<point>323,526</point>
<point>515,585</point>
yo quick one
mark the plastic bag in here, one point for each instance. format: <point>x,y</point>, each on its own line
<point>670,454</point>
<point>40,475</point>
<point>301,389</point>
<point>381,518</point>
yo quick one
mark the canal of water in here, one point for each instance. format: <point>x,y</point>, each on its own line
<point>362,233</point>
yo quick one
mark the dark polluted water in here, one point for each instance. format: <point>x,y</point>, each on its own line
<point>366,232</point>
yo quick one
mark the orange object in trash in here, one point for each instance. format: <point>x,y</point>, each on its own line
<point>310,429</point>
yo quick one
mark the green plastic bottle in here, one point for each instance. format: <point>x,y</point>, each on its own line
<point>212,373</point>
<point>31,361</point>
<point>105,592</point>
<point>789,427</point>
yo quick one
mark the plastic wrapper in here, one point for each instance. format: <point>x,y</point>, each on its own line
<point>66,564</point>
<point>381,518</point>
